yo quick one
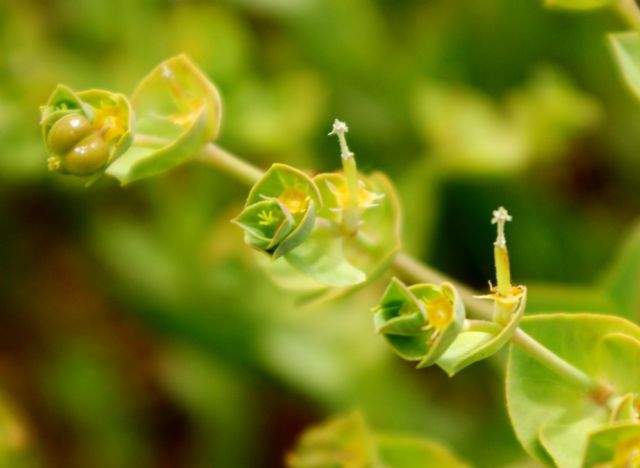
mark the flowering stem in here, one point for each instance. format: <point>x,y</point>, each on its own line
<point>417,271</point>
<point>351,213</point>
<point>224,161</point>
<point>214,155</point>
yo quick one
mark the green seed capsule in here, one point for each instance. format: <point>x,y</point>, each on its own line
<point>67,132</point>
<point>87,157</point>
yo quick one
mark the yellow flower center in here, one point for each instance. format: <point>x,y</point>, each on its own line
<point>111,120</point>
<point>295,200</point>
<point>366,198</point>
<point>439,312</point>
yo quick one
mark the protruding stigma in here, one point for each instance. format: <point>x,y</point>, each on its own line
<point>500,217</point>
<point>340,129</point>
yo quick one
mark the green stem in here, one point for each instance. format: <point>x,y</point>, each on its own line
<point>224,161</point>
<point>215,156</point>
<point>417,271</point>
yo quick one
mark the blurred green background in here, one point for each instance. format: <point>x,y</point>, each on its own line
<point>136,329</point>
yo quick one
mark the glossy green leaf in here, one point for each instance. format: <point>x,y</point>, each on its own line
<point>619,353</point>
<point>579,4</point>
<point>177,111</point>
<point>472,346</point>
<point>564,438</point>
<point>626,50</point>
<point>615,446</point>
<point>421,321</point>
<point>553,418</point>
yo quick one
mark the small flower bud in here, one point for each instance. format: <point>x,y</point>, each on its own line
<point>280,211</point>
<point>85,131</point>
<point>420,322</point>
<point>88,156</point>
<point>68,131</point>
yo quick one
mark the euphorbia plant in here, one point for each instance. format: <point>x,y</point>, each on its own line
<point>572,381</point>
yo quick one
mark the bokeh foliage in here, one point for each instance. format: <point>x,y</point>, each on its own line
<point>136,328</point>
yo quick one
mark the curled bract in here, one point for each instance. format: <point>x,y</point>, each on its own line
<point>421,321</point>
<point>178,110</point>
<point>280,211</point>
<point>85,131</point>
<point>482,339</point>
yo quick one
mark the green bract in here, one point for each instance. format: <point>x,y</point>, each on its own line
<point>328,257</point>
<point>479,343</point>
<point>85,131</point>
<point>354,259</point>
<point>420,322</point>
<point>280,211</point>
<point>557,422</point>
<point>178,110</point>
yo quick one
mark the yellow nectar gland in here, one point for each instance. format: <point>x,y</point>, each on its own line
<point>295,200</point>
<point>111,120</point>
<point>439,312</point>
<point>366,199</point>
<point>267,218</point>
